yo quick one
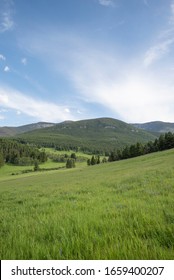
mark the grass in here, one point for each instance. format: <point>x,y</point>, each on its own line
<point>121,210</point>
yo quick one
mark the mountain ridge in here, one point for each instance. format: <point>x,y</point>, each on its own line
<point>156,126</point>
<point>100,134</point>
<point>11,131</point>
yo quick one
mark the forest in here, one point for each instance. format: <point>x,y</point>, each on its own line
<point>20,154</point>
<point>164,142</point>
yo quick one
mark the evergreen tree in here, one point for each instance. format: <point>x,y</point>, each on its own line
<point>73,155</point>
<point>93,160</point>
<point>70,163</point>
<point>1,160</point>
<point>98,160</point>
<point>104,160</point>
<point>36,166</point>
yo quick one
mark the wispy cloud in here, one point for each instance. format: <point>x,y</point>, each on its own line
<point>6,69</point>
<point>6,15</point>
<point>146,3</point>
<point>24,61</point>
<point>172,12</point>
<point>2,117</point>
<point>164,42</point>
<point>157,52</point>
<point>107,3</point>
<point>133,96</point>
<point>2,57</point>
<point>41,110</point>
<point>106,78</point>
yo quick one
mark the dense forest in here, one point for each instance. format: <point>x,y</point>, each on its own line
<point>164,142</point>
<point>19,154</point>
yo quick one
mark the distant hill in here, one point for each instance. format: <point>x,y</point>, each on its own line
<point>102,134</point>
<point>11,131</point>
<point>156,126</point>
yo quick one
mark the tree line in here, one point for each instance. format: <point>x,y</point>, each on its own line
<point>164,142</point>
<point>20,154</point>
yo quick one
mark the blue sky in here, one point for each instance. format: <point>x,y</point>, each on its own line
<point>80,59</point>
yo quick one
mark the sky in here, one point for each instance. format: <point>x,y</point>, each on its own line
<point>81,59</point>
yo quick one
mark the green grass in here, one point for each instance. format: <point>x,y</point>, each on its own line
<point>120,210</point>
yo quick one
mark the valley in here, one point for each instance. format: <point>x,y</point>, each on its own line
<point>121,208</point>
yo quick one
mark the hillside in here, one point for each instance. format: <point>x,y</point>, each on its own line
<point>11,131</point>
<point>96,135</point>
<point>156,126</point>
<point>121,210</point>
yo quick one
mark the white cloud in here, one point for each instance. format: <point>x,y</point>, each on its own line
<point>24,61</point>
<point>6,69</point>
<point>2,117</point>
<point>134,97</point>
<point>109,79</point>
<point>6,16</point>
<point>172,12</point>
<point>2,57</point>
<point>3,110</point>
<point>164,42</point>
<point>146,3</point>
<point>157,52</point>
<point>106,3</point>
<point>67,110</point>
<point>41,110</point>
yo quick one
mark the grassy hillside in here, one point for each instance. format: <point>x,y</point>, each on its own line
<point>104,134</point>
<point>120,210</point>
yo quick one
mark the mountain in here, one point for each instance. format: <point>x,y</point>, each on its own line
<point>102,134</point>
<point>156,126</point>
<point>11,131</point>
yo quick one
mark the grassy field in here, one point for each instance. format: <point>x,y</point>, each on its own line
<point>120,210</point>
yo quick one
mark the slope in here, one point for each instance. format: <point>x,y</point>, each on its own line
<point>96,135</point>
<point>11,131</point>
<point>156,126</point>
<point>121,210</point>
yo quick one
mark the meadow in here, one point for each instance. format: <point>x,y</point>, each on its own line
<point>119,210</point>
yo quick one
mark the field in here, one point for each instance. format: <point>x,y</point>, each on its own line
<point>120,210</point>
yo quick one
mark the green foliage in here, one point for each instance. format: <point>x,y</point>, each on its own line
<point>121,210</point>
<point>20,154</point>
<point>164,142</point>
<point>97,136</point>
<point>70,163</point>
<point>1,160</point>
<point>36,166</point>
<point>94,160</point>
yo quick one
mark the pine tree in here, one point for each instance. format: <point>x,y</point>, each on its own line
<point>36,166</point>
<point>70,163</point>
<point>93,161</point>
<point>1,160</point>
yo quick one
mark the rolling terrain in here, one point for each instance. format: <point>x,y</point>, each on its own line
<point>11,131</point>
<point>95,135</point>
<point>156,126</point>
<point>120,210</point>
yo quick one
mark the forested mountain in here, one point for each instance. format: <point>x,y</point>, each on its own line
<point>156,126</point>
<point>95,135</point>
<point>11,131</point>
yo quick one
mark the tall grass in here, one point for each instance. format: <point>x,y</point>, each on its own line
<point>121,210</point>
